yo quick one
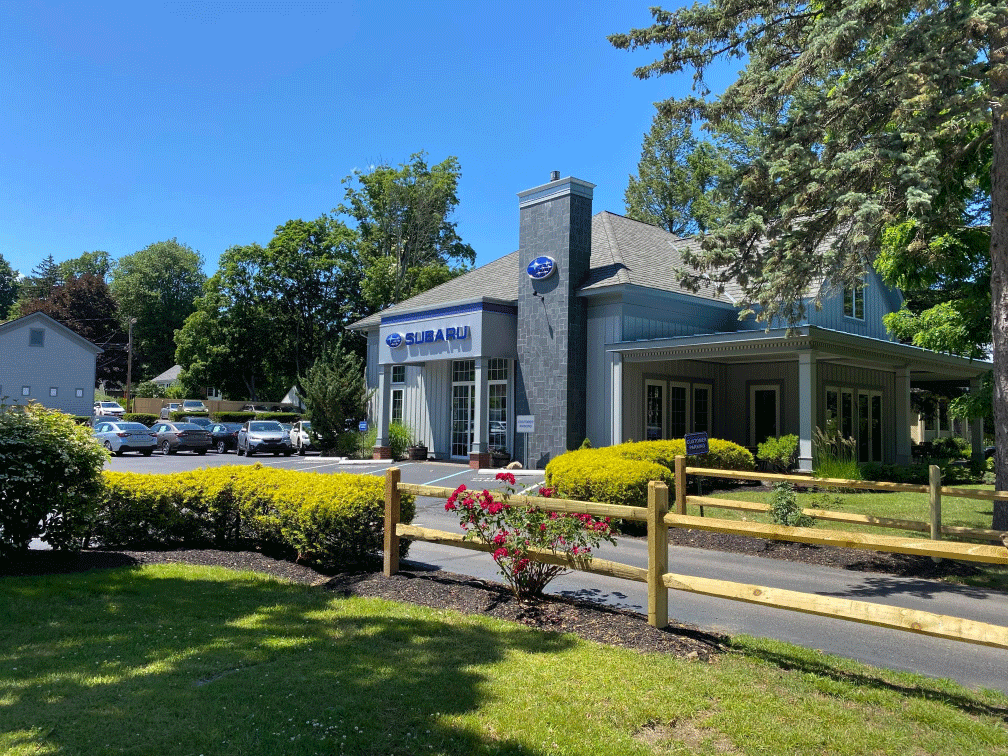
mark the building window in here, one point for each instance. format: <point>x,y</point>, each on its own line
<point>678,413</point>
<point>52,391</point>
<point>654,410</point>
<point>463,406</point>
<point>397,405</point>
<point>80,393</point>
<point>26,391</point>
<point>36,337</point>
<point>853,302</point>
<point>398,374</point>
<point>497,403</point>
<point>701,408</point>
<point>464,371</point>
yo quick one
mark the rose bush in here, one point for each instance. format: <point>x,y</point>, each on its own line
<point>516,531</point>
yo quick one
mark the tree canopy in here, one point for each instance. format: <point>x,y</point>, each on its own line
<point>407,241</point>
<point>8,286</point>
<point>158,286</point>
<point>676,178</point>
<point>865,116</point>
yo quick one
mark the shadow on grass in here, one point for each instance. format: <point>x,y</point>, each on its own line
<point>810,663</point>
<point>151,661</point>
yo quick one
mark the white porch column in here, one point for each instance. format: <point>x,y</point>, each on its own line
<point>383,404</point>
<point>808,390</point>
<point>479,452</point>
<point>615,398</point>
<point>976,426</point>
<point>902,415</point>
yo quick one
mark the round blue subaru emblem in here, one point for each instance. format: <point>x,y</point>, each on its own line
<point>394,340</point>
<point>542,267</point>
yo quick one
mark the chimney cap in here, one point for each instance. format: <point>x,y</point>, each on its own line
<point>554,175</point>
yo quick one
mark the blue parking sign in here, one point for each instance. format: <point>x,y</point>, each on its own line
<point>696,443</point>
<point>363,426</point>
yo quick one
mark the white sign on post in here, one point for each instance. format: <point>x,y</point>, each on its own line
<point>525,424</point>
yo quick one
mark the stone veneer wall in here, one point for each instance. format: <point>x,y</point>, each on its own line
<point>552,323</point>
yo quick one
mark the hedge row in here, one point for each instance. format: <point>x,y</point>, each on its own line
<point>620,474</point>
<point>140,417</point>
<point>326,520</point>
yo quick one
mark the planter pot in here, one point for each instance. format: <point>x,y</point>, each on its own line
<point>499,459</point>
<point>418,452</point>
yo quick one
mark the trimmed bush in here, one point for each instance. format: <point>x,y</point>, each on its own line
<point>140,417</point>
<point>234,417</point>
<point>620,474</point>
<point>280,417</point>
<point>400,439</point>
<point>50,478</point>
<point>327,520</point>
<point>780,454</point>
<point>599,475</point>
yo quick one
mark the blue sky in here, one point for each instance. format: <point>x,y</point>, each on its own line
<point>215,122</point>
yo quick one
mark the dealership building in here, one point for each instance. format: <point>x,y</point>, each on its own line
<point>585,332</point>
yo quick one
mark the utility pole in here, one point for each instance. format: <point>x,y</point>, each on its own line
<point>129,362</point>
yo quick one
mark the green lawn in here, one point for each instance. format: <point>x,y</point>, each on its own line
<point>183,660</point>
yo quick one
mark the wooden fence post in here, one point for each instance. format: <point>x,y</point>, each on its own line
<point>657,554</point>
<point>391,520</point>
<point>680,485</point>
<point>935,486</point>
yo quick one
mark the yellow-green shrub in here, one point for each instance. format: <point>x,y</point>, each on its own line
<point>603,476</point>
<point>329,520</point>
<point>620,474</point>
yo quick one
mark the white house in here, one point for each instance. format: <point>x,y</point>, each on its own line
<point>44,361</point>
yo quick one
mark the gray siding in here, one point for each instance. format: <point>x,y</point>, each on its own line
<point>667,319</point>
<point>604,328</point>
<point>878,302</point>
<point>842,376</point>
<point>61,363</point>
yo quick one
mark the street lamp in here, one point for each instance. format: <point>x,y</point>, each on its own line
<point>129,362</point>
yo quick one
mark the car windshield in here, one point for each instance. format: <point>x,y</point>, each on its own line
<point>193,405</point>
<point>132,426</point>
<point>265,427</point>
<point>111,405</point>
<point>187,426</point>
<point>305,425</point>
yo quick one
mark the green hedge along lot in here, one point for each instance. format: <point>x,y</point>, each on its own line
<point>176,659</point>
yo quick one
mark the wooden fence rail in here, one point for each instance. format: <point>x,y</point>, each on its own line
<point>935,490</point>
<point>659,580</point>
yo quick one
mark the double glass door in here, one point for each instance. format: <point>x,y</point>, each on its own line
<point>672,409</point>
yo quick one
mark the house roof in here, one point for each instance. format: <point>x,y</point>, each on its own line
<point>42,319</point>
<point>624,252</point>
<point>168,376</point>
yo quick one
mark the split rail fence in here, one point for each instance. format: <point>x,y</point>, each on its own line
<point>659,519</point>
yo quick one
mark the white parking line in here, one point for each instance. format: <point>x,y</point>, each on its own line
<point>460,472</point>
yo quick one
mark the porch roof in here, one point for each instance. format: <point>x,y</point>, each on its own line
<point>784,344</point>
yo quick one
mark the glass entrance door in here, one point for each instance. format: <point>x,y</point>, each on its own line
<point>463,419</point>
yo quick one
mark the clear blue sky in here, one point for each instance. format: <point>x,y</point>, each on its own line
<point>215,122</point>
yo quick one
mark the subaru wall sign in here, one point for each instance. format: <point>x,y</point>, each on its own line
<point>541,268</point>
<point>451,333</point>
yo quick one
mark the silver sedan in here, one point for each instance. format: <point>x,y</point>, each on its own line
<point>118,437</point>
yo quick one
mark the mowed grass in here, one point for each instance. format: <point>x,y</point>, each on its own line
<point>972,513</point>
<point>184,660</point>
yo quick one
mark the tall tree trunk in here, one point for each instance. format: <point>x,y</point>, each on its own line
<point>999,260</point>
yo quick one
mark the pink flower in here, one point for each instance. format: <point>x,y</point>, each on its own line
<point>507,477</point>
<point>500,539</point>
<point>546,492</point>
<point>500,553</point>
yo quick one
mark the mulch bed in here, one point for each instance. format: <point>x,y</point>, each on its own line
<point>444,590</point>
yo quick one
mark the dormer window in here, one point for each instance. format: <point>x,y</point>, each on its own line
<point>853,301</point>
<point>36,337</point>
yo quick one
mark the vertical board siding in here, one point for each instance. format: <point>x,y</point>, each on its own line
<point>604,328</point>
<point>876,305</point>
<point>843,376</point>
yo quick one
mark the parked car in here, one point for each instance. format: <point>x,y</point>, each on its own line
<point>174,437</point>
<point>201,420</point>
<point>169,408</point>
<point>225,436</point>
<point>263,436</point>
<point>194,405</point>
<point>302,438</point>
<point>108,409</point>
<point>119,437</point>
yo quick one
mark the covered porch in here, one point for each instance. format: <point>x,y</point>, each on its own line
<point>746,386</point>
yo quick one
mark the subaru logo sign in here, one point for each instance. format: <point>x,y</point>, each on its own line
<point>394,340</point>
<point>541,268</point>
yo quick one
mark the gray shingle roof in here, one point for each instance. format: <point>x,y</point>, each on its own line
<point>624,251</point>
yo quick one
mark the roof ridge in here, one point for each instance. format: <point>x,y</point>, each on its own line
<point>621,272</point>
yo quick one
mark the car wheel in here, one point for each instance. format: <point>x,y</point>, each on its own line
<point>221,447</point>
<point>249,452</point>
<point>166,448</point>
<point>108,447</point>
<point>301,449</point>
